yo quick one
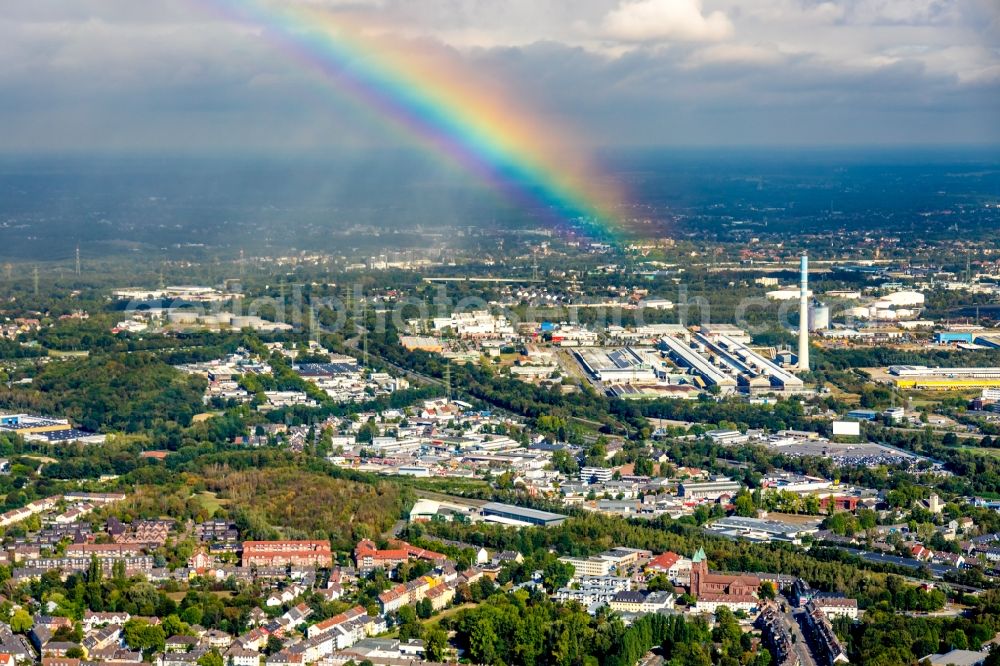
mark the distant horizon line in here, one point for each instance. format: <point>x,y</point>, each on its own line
<point>325,153</point>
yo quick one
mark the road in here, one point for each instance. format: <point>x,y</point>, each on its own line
<point>950,610</point>
<point>885,558</point>
<point>943,431</point>
<point>651,659</point>
<point>793,617</point>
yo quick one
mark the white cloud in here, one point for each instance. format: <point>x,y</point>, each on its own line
<point>661,20</point>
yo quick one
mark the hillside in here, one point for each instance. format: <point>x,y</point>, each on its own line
<point>308,504</point>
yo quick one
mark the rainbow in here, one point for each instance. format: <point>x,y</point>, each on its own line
<point>427,96</point>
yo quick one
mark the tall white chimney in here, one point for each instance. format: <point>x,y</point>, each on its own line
<point>804,316</point>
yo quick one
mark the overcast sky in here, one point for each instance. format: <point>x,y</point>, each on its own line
<point>155,74</point>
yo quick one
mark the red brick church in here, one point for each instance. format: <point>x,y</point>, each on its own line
<point>713,584</point>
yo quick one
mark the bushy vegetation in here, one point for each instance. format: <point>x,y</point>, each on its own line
<point>886,638</point>
<point>295,503</point>
<point>528,629</point>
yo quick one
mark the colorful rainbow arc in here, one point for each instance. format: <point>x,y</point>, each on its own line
<point>430,101</point>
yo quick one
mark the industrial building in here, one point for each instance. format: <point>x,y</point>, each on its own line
<point>952,337</point>
<point>711,490</point>
<point>991,341</point>
<point>754,372</point>
<point>42,429</point>
<point>519,515</point>
<point>720,356</point>
<point>683,355</point>
<point>819,317</point>
<point>922,377</point>
<point>619,366</point>
<point>758,529</point>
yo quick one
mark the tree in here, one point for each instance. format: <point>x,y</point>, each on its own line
<point>368,431</point>
<point>483,642</point>
<point>409,625</point>
<point>744,505</point>
<point>424,608</point>
<point>659,583</point>
<point>556,575</point>
<point>274,645</point>
<point>192,615</point>
<point>142,636</point>
<point>563,462</point>
<point>643,466</point>
<point>212,658</point>
<point>21,622</point>
<point>766,590</point>
<point>690,654</point>
<point>435,644</point>
<point>727,627</point>
<point>958,640</point>
<point>174,626</point>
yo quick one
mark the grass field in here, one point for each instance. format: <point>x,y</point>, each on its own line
<point>210,501</point>
<point>43,459</point>
<point>979,451</point>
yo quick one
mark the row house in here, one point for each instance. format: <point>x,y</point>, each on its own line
<point>834,606</point>
<point>180,658</point>
<point>825,642</point>
<point>147,532</point>
<point>284,658</point>
<point>180,643</point>
<point>710,603</point>
<point>404,594</point>
<point>284,596</point>
<point>255,639</point>
<point>104,550</point>
<point>67,565</point>
<point>330,624</point>
<point>314,649</point>
<point>284,553</point>
<point>116,656</point>
<point>368,557</point>
<point>92,620</point>
<point>105,637</point>
<point>441,595</point>
<point>38,506</point>
<point>238,656</point>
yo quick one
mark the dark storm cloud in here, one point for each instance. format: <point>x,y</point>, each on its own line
<point>118,74</point>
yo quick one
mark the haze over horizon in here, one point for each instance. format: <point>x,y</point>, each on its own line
<point>119,76</point>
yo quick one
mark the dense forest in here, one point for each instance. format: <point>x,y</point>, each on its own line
<point>117,392</point>
<point>10,349</point>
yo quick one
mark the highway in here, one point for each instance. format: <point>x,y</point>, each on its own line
<point>885,558</point>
